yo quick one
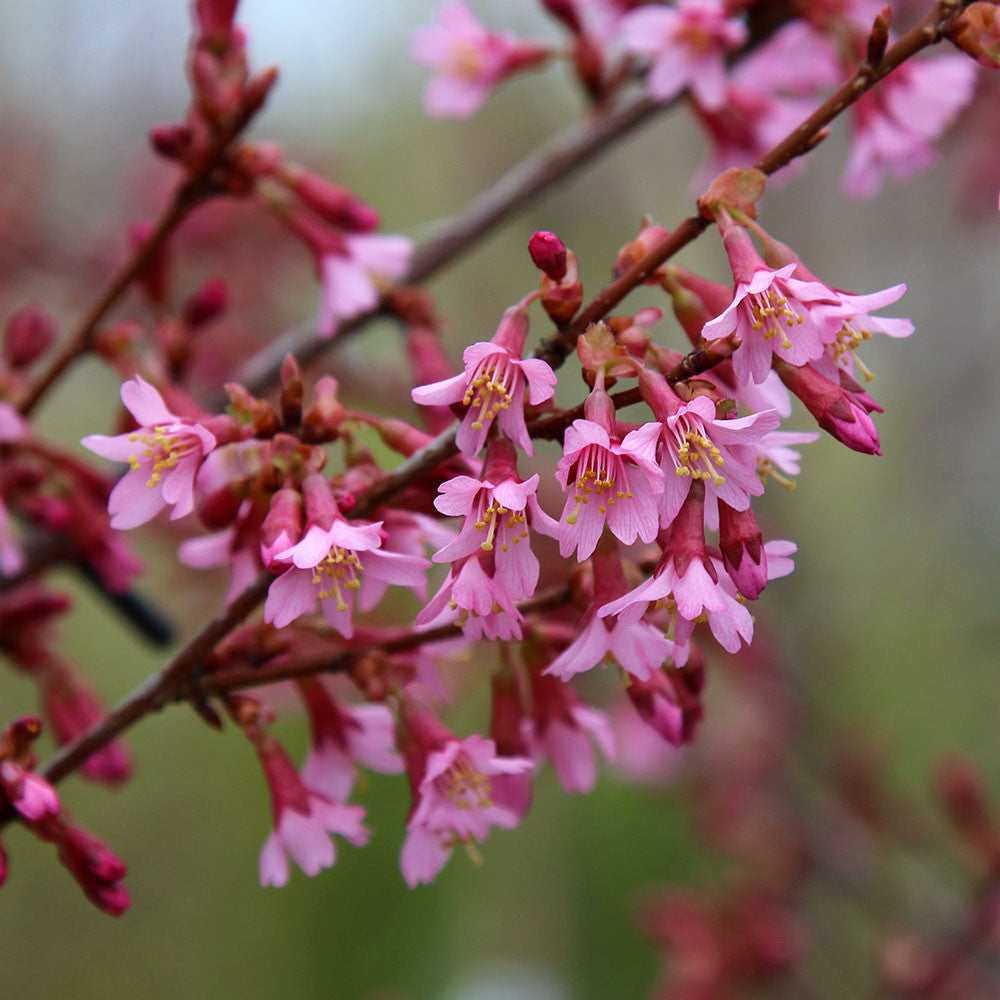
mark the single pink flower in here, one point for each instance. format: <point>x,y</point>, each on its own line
<point>774,452</point>
<point>451,780</point>
<point>612,481</point>
<point>498,510</point>
<point>895,124</point>
<point>561,728</point>
<point>687,43</point>
<point>638,647</point>
<point>334,558</point>
<point>474,595</point>
<point>468,61</point>
<point>772,312</point>
<point>696,445</point>
<point>303,822</point>
<point>164,455</point>
<point>353,279</point>
<point>342,735</point>
<point>493,385</point>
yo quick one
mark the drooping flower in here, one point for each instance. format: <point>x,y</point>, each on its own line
<point>476,597</point>
<point>561,728</point>
<point>332,561</point>
<point>342,735</point>
<point>450,780</point>
<point>895,124</point>
<point>608,480</point>
<point>498,510</point>
<point>696,445</point>
<point>303,820</point>
<point>164,455</point>
<point>772,312</point>
<point>774,453</point>
<point>493,385</point>
<point>30,794</point>
<point>353,276</point>
<point>638,647</point>
<point>468,61</point>
<point>687,43</point>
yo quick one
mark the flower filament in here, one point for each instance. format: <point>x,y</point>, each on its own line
<point>769,309</point>
<point>597,472</point>
<point>337,574</point>
<point>490,388</point>
<point>162,451</point>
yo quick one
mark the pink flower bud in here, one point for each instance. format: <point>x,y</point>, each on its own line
<point>215,18</point>
<point>29,333</point>
<point>548,253</point>
<point>742,550</point>
<point>171,141</point>
<point>282,526</point>
<point>96,868</point>
<point>333,203</point>
<point>207,303</point>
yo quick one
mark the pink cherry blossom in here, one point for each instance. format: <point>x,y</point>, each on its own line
<point>303,821</point>
<point>164,455</point>
<point>474,595</point>
<point>774,452</point>
<point>352,280</point>
<point>341,735</point>
<point>237,547</point>
<point>696,445</point>
<point>452,792</point>
<point>328,565</point>
<point>638,647</point>
<point>772,312</point>
<point>561,728</point>
<point>687,43</point>
<point>468,61</point>
<point>493,386</point>
<point>608,481</point>
<point>896,123</point>
<point>498,510</point>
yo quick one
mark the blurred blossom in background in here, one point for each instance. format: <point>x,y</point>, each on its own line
<point>895,621</point>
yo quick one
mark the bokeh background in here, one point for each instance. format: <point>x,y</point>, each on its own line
<point>891,616</point>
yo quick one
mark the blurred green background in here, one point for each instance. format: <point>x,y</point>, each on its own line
<point>891,613</point>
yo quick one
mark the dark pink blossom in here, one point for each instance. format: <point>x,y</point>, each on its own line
<point>493,385</point>
<point>687,44</point>
<point>163,454</point>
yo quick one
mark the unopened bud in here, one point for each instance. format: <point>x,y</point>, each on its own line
<point>29,333</point>
<point>171,141</point>
<point>548,254</point>
<point>207,303</point>
<point>742,549</point>
<point>333,203</point>
<point>878,40</point>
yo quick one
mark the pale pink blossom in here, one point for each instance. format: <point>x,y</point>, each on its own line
<point>329,565</point>
<point>352,280</point>
<point>333,559</point>
<point>687,44</point>
<point>561,728</point>
<point>895,124</point>
<point>608,481</point>
<point>342,735</point>
<point>474,595</point>
<point>453,799</point>
<point>777,459</point>
<point>303,821</point>
<point>696,445</point>
<point>772,312</point>
<point>163,454</point>
<point>637,647</point>
<point>468,61</point>
<point>498,510</point>
<point>237,547</point>
<point>492,386</point>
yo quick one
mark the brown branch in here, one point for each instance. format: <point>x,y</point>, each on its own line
<point>162,687</point>
<point>290,667</point>
<point>188,195</point>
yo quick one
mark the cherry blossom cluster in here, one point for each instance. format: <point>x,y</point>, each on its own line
<point>629,541</point>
